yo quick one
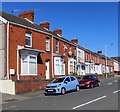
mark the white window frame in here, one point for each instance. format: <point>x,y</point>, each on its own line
<point>47,41</point>
<point>73,61</point>
<point>57,46</point>
<point>28,56</point>
<point>30,36</point>
<point>61,63</point>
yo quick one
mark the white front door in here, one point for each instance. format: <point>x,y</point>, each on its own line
<point>47,70</point>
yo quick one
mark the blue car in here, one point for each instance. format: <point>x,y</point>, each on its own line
<point>62,85</point>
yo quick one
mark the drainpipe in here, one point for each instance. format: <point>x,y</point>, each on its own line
<point>18,77</point>
<point>8,76</point>
<point>52,59</point>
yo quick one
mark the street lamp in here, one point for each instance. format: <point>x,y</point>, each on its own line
<point>106,58</point>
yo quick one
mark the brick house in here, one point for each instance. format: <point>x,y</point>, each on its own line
<point>80,60</point>
<point>33,51</point>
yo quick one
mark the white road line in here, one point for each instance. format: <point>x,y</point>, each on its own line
<point>115,80</point>
<point>89,102</point>
<point>116,91</point>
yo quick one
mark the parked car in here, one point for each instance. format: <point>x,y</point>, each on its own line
<point>89,81</point>
<point>62,85</point>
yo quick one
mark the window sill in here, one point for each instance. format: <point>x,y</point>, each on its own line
<point>28,74</point>
<point>28,46</point>
<point>47,50</point>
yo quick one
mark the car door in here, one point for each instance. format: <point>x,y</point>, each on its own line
<point>94,80</point>
<point>67,83</point>
<point>73,83</point>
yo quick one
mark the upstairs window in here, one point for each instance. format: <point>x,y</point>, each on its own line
<point>28,39</point>
<point>47,44</point>
<point>79,54</point>
<point>57,46</point>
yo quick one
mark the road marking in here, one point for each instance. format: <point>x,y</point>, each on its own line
<point>89,102</point>
<point>116,91</point>
<point>115,80</point>
<point>110,83</point>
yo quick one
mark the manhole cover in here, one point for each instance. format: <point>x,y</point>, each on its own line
<point>10,100</point>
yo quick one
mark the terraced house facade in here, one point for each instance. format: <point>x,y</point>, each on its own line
<point>30,51</point>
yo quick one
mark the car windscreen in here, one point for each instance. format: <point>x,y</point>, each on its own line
<point>58,80</point>
<point>86,77</point>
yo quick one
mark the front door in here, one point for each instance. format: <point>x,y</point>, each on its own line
<point>47,70</point>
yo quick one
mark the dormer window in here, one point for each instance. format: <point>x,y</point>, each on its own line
<point>28,39</point>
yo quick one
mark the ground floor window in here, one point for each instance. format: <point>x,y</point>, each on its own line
<point>59,66</point>
<point>71,66</point>
<point>83,67</point>
<point>28,64</point>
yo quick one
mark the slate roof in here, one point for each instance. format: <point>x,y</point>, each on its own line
<point>22,21</point>
<point>116,58</point>
<point>11,18</point>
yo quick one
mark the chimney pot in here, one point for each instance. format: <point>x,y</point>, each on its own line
<point>58,31</point>
<point>99,52</point>
<point>75,41</point>
<point>28,14</point>
<point>45,25</point>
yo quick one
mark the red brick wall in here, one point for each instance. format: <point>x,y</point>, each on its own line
<point>29,86</point>
<point>61,51</point>
<point>17,37</point>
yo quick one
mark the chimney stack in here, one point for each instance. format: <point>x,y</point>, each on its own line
<point>45,25</point>
<point>28,14</point>
<point>58,32</point>
<point>99,52</point>
<point>75,41</point>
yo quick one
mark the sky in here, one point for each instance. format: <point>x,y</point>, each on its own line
<point>94,24</point>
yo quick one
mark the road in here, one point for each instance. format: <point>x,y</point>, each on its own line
<point>104,97</point>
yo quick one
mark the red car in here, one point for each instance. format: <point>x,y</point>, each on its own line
<point>89,81</point>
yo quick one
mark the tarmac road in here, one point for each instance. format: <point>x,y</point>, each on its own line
<point>104,97</point>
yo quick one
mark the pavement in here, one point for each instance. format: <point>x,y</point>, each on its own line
<point>7,98</point>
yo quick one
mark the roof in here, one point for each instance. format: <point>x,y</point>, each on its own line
<point>116,58</point>
<point>21,21</point>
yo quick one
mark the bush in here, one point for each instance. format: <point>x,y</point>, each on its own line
<point>74,74</point>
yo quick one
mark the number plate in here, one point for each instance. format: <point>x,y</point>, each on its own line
<point>50,90</point>
<point>82,84</point>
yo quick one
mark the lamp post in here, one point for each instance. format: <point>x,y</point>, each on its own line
<point>106,58</point>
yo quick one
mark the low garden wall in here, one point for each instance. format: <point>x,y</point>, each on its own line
<point>23,86</point>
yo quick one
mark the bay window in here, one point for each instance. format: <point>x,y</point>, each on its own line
<point>59,66</point>
<point>28,64</point>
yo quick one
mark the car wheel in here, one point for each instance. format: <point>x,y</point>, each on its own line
<point>98,84</point>
<point>91,85</point>
<point>77,88</point>
<point>63,91</point>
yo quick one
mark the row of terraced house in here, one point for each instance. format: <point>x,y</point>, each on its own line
<point>30,51</point>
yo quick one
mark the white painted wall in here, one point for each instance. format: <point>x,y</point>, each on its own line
<point>116,66</point>
<point>2,51</point>
<point>7,86</point>
<point>81,56</point>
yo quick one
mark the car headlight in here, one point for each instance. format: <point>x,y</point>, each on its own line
<point>88,82</point>
<point>59,85</point>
